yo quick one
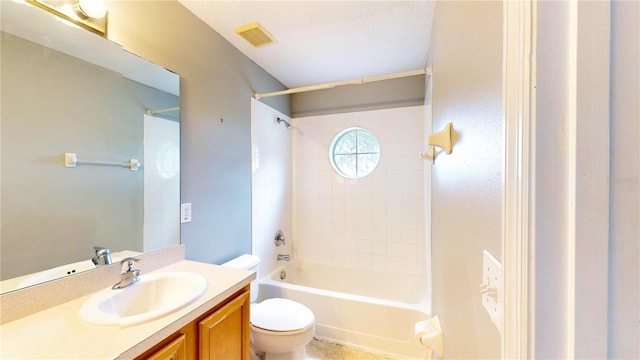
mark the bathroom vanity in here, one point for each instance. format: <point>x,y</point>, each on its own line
<point>221,333</point>
<point>214,326</point>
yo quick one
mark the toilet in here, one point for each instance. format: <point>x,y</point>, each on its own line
<point>280,328</point>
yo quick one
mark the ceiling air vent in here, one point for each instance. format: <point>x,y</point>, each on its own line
<point>255,34</point>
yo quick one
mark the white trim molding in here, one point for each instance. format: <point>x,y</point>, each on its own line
<point>588,179</point>
<point>519,108</point>
<point>556,194</point>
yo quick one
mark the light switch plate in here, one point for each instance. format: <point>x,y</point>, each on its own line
<point>492,278</point>
<point>185,213</point>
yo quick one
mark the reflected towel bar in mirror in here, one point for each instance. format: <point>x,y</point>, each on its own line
<point>71,161</point>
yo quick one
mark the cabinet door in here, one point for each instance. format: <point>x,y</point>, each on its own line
<point>175,350</point>
<point>225,334</point>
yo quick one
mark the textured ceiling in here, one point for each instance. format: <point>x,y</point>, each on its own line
<point>325,41</point>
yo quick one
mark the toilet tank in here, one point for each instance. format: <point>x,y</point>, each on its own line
<point>247,262</point>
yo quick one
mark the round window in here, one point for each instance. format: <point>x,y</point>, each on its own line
<point>354,153</point>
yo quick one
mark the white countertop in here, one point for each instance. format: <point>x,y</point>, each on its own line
<point>58,333</point>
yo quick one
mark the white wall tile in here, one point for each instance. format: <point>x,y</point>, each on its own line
<point>379,262</point>
<point>365,246</point>
<point>376,221</point>
<point>271,187</point>
<point>378,247</point>
<point>365,260</point>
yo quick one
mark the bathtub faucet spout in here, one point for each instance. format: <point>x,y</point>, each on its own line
<point>284,257</point>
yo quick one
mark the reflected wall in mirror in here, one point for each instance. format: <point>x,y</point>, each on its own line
<point>65,89</point>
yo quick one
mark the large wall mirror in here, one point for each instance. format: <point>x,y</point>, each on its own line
<point>67,90</point>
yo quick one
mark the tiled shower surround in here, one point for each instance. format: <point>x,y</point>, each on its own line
<point>376,222</point>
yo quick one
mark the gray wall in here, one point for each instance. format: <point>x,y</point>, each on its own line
<point>51,104</point>
<point>624,285</point>
<point>217,82</point>
<point>386,94</point>
<point>466,207</point>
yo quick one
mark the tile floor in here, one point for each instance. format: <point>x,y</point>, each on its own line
<point>322,350</point>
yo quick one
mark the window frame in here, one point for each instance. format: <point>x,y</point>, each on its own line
<point>355,154</point>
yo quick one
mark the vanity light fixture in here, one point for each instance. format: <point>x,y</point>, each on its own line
<point>89,14</point>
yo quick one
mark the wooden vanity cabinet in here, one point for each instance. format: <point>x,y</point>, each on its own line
<point>220,333</point>
<point>225,333</point>
<point>175,350</point>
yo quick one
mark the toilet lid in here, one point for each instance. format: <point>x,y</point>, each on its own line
<point>281,315</point>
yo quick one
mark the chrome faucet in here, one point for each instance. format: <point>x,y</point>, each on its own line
<point>103,256</point>
<point>128,275</point>
<point>284,257</point>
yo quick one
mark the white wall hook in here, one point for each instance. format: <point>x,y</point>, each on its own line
<point>430,154</point>
<point>442,139</point>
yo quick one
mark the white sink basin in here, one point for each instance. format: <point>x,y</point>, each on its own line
<point>155,295</point>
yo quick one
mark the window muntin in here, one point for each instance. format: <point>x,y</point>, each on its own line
<point>354,153</point>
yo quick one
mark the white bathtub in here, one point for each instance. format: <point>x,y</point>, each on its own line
<point>358,308</point>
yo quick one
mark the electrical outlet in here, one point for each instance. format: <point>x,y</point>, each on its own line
<point>491,288</point>
<point>185,213</point>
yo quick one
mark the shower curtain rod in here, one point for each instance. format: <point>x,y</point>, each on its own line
<point>346,82</point>
<point>151,112</point>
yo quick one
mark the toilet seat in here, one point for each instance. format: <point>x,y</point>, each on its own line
<point>281,316</point>
<point>260,330</point>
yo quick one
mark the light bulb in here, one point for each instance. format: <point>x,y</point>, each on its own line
<point>92,8</point>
